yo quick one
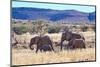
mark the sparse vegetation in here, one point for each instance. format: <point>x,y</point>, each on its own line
<point>23,53</point>
<point>44,26</point>
<point>53,30</point>
<point>22,29</point>
<point>19,57</point>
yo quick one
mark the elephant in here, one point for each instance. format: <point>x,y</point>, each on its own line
<point>45,48</point>
<point>40,42</point>
<point>76,43</point>
<point>67,35</point>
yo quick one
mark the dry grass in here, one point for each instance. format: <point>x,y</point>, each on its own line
<point>89,36</point>
<point>25,56</point>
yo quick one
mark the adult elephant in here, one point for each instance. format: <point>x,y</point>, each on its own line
<point>33,41</point>
<point>43,43</point>
<point>67,35</point>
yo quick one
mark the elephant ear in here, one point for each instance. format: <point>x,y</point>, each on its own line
<point>69,35</point>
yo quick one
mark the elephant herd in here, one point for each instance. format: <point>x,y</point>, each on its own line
<point>44,43</point>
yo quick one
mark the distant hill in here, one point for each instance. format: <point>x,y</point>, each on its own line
<point>66,16</point>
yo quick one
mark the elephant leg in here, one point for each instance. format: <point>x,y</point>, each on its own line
<point>61,44</point>
<point>83,45</point>
<point>51,46</point>
<point>37,49</point>
<point>71,47</point>
<point>41,50</point>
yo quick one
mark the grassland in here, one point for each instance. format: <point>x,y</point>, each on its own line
<point>26,56</point>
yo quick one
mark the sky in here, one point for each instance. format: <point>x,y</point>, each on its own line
<point>81,8</point>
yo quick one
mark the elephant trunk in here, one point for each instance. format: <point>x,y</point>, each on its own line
<point>30,46</point>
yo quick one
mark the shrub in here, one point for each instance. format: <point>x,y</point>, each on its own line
<point>53,30</point>
<point>20,30</point>
<point>84,28</point>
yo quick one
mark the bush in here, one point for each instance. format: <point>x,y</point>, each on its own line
<point>84,28</point>
<point>53,30</point>
<point>20,30</point>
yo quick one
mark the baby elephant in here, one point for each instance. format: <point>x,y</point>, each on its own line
<point>76,43</point>
<point>45,48</point>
